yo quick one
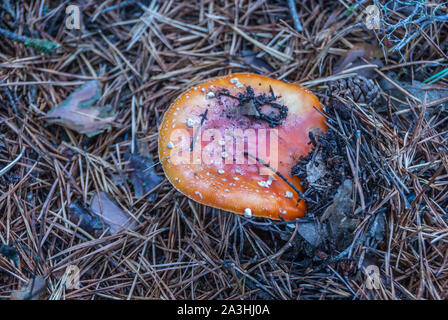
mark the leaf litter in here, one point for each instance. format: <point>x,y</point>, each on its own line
<point>79,113</point>
<point>115,218</point>
<point>142,173</point>
<point>394,155</point>
<point>34,289</point>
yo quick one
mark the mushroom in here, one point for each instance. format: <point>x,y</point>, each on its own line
<point>231,142</point>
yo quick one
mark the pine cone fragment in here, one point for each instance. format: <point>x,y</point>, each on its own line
<point>358,88</point>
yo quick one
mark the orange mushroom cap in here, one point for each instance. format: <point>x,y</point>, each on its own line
<point>238,123</point>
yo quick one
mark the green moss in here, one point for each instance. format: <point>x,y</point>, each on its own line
<point>42,45</point>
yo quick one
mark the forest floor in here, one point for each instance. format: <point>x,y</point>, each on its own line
<point>385,89</point>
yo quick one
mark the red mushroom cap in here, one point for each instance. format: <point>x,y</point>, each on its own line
<point>233,120</point>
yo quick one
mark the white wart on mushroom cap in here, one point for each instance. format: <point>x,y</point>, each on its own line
<point>217,171</point>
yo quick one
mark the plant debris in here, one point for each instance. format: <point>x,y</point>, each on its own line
<point>252,106</point>
<point>357,56</point>
<point>41,45</point>
<point>341,225</point>
<point>325,168</point>
<point>34,289</point>
<point>9,253</point>
<point>256,63</point>
<point>357,89</point>
<point>79,113</point>
<point>418,89</point>
<point>334,230</point>
<point>143,175</point>
<point>111,215</point>
<point>394,153</point>
<point>86,220</point>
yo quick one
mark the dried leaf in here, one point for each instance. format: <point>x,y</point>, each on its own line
<point>353,59</point>
<point>249,57</point>
<point>111,214</point>
<point>312,232</point>
<point>341,225</point>
<point>33,290</point>
<point>418,89</point>
<point>79,113</point>
<point>86,220</point>
<point>335,226</point>
<point>143,176</point>
<point>376,231</point>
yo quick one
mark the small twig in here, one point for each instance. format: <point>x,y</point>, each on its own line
<point>119,6</point>
<point>294,15</point>
<point>12,164</point>
<point>13,36</point>
<point>301,195</point>
<point>204,117</point>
